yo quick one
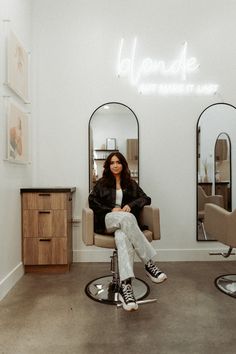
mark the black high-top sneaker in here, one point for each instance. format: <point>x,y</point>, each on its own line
<point>154,273</point>
<point>126,296</point>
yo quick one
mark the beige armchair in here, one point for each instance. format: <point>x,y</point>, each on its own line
<point>203,199</point>
<point>105,289</point>
<point>220,224</point>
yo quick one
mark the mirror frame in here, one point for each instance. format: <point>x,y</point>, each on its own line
<point>197,152</point>
<point>89,138</point>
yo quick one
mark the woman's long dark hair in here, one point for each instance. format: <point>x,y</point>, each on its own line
<point>107,176</point>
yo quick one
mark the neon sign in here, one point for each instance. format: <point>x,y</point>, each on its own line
<point>179,69</point>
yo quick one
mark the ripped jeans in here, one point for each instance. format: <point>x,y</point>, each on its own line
<point>129,239</point>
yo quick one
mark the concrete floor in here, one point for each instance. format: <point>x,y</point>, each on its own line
<point>50,314</point>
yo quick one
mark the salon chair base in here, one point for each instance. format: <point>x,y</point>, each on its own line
<point>227,284</point>
<point>105,290</point>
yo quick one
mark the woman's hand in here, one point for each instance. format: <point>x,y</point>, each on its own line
<point>126,208</point>
<point>116,209</point>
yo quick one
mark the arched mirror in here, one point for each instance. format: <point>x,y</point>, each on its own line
<point>113,127</point>
<point>222,168</point>
<point>216,161</point>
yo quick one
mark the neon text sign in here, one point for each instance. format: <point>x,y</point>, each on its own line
<point>179,69</point>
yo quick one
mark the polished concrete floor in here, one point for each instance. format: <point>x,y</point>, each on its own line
<point>50,314</point>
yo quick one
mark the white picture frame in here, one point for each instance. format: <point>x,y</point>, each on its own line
<point>17,134</point>
<point>17,67</point>
<point>111,143</point>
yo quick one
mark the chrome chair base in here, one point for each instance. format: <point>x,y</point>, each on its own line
<point>227,284</point>
<point>105,290</point>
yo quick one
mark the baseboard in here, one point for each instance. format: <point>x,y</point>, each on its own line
<point>10,280</point>
<point>163,255</point>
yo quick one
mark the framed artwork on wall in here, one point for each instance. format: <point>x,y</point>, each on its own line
<point>17,134</point>
<point>17,67</point>
<point>111,143</point>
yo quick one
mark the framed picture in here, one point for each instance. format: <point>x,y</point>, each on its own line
<point>111,143</point>
<point>17,134</point>
<point>17,67</point>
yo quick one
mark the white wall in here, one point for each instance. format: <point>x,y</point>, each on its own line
<point>75,49</point>
<point>12,176</point>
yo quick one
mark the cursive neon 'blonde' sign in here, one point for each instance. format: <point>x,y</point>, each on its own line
<point>179,69</point>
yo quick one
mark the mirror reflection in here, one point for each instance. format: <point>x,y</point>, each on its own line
<point>216,165</point>
<point>112,127</point>
<point>222,160</point>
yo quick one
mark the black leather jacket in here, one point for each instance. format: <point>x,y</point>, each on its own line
<point>102,200</point>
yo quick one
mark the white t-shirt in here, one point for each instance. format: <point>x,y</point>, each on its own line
<point>119,196</point>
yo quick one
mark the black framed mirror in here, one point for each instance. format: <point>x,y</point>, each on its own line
<point>113,126</point>
<point>215,160</point>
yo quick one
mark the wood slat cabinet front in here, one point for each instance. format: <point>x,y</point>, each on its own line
<point>47,229</point>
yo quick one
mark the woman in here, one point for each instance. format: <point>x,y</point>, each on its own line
<point>117,201</point>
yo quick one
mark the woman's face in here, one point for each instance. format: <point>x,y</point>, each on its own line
<point>115,166</point>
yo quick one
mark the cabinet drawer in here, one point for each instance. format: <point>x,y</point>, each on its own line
<point>45,251</point>
<point>45,201</point>
<point>45,223</point>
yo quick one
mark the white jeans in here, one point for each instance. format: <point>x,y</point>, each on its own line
<point>129,239</point>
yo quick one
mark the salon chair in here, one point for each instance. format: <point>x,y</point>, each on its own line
<point>203,198</point>
<point>105,289</point>
<point>221,225</point>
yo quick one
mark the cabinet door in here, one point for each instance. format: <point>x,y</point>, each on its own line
<point>59,251</point>
<point>30,223</point>
<point>59,223</point>
<point>51,201</point>
<point>44,201</point>
<point>29,201</point>
<point>45,251</point>
<point>44,223</point>
<point>30,251</point>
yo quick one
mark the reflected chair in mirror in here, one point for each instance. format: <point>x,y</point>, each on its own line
<point>105,289</point>
<point>203,198</point>
<point>221,224</point>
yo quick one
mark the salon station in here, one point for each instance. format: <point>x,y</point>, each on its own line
<point>154,81</point>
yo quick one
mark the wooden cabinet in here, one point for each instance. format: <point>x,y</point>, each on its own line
<point>132,149</point>
<point>47,229</point>
<point>221,150</point>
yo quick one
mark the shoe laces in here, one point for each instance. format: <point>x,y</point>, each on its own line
<point>128,294</point>
<point>153,268</point>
